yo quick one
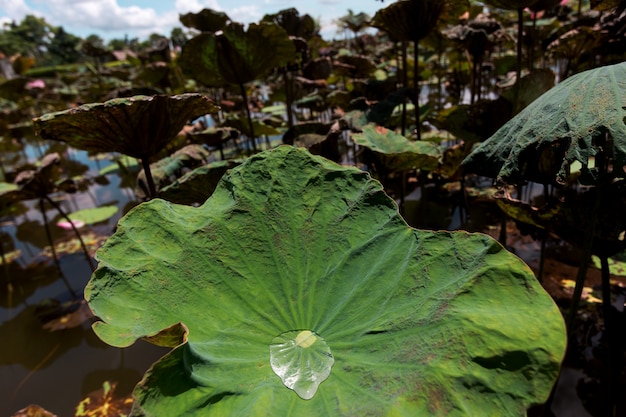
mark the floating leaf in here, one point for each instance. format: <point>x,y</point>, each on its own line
<point>399,152</point>
<point>102,403</point>
<point>94,215</point>
<point>418,322</point>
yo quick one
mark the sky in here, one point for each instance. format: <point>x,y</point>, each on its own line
<point>139,18</point>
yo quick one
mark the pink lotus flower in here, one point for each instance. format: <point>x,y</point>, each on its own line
<point>36,84</point>
<point>68,226</point>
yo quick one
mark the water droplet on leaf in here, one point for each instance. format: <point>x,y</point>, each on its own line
<point>302,360</point>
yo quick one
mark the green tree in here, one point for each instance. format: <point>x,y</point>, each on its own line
<point>63,48</point>
<point>30,37</point>
<point>178,37</point>
<point>118,44</point>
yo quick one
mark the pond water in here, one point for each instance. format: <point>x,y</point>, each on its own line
<point>56,369</point>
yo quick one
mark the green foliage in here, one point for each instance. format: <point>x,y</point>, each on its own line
<point>138,126</point>
<point>409,20</point>
<point>566,124</point>
<point>292,250</point>
<point>206,20</point>
<point>294,24</point>
<point>35,37</point>
<point>94,215</point>
<point>237,56</point>
<point>396,151</point>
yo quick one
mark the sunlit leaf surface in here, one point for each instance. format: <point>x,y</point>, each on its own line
<point>294,249</point>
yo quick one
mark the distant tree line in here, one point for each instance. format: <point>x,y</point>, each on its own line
<point>33,37</point>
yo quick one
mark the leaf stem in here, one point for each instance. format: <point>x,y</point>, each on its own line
<point>55,257</point>
<point>145,163</point>
<point>249,115</point>
<point>76,232</point>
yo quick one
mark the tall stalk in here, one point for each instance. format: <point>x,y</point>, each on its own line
<point>249,115</point>
<point>520,36</point>
<point>417,90</point>
<point>55,257</point>
<point>145,163</point>
<point>80,239</point>
<point>404,84</point>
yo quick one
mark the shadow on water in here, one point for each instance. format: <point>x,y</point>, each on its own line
<point>45,362</point>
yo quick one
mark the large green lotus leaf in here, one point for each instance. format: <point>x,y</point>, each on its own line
<point>199,59</point>
<point>138,126</point>
<point>563,125</point>
<point>409,20</point>
<point>529,88</point>
<point>398,152</point>
<point>293,250</point>
<point>246,52</point>
<point>196,186</point>
<point>236,55</point>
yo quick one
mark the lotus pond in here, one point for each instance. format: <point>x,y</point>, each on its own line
<point>421,222</point>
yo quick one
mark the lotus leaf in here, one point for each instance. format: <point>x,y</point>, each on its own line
<point>165,171</point>
<point>206,20</point>
<point>94,215</point>
<point>138,126</point>
<point>7,187</point>
<point>293,23</point>
<point>242,125</point>
<point>292,249</point>
<point>355,66</point>
<point>529,88</point>
<point>565,124</point>
<point>196,186</point>
<point>398,152</point>
<point>236,55</point>
<point>409,20</point>
<point>40,182</point>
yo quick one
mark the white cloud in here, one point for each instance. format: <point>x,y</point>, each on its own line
<point>104,15</point>
<point>15,9</point>
<point>194,6</point>
<point>245,14</point>
<point>109,19</point>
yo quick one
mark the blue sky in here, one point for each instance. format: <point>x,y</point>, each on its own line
<point>138,18</point>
